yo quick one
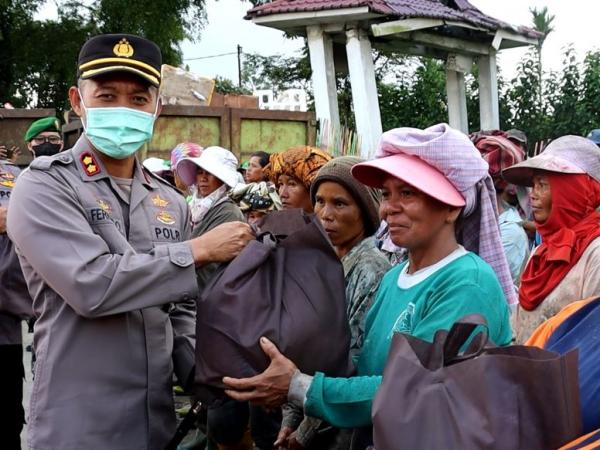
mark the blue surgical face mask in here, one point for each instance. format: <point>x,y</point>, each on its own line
<point>118,132</point>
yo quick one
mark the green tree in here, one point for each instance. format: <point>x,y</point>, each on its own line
<point>16,18</point>
<point>590,92</point>
<point>226,86</point>
<point>542,22</point>
<point>276,72</point>
<point>523,99</point>
<point>39,57</point>
<point>166,22</point>
<point>564,95</point>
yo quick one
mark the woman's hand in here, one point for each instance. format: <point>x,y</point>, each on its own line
<point>292,442</point>
<point>282,437</point>
<point>268,389</point>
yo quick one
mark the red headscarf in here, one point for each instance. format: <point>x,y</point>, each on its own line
<point>572,225</point>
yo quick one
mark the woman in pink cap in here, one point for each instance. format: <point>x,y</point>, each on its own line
<point>436,193</point>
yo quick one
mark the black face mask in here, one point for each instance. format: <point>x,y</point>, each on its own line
<point>45,149</point>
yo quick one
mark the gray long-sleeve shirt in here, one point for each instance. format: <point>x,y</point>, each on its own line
<point>102,268</point>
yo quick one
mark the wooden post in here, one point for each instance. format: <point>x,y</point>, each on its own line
<point>364,90</point>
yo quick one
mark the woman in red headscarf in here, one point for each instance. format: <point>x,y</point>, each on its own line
<point>566,266</point>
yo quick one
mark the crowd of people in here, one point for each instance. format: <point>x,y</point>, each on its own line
<point>109,255</point>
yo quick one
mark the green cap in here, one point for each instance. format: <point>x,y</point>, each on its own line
<point>244,165</point>
<point>41,125</point>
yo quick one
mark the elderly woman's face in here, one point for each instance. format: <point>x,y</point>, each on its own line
<point>415,219</point>
<point>206,182</point>
<point>340,215</point>
<point>541,197</point>
<point>293,194</point>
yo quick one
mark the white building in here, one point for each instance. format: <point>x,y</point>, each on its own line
<point>288,100</point>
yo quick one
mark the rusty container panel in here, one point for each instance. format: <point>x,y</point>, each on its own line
<point>13,125</point>
<point>171,130</point>
<point>270,135</point>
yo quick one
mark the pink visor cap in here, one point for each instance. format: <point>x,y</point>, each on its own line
<point>440,161</point>
<point>412,170</point>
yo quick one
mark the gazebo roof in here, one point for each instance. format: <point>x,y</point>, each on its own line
<point>457,11</point>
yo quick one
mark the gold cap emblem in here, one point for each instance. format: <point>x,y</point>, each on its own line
<point>123,48</point>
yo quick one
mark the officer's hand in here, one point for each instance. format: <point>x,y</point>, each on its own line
<point>3,220</point>
<point>222,243</point>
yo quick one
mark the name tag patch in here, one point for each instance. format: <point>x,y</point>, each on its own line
<point>100,216</point>
<point>167,234</point>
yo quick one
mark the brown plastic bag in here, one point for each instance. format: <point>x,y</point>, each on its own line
<point>288,285</point>
<point>432,396</point>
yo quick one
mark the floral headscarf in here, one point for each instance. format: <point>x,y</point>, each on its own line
<point>301,163</point>
<point>184,150</point>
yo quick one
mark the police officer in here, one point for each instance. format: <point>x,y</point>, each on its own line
<point>15,305</point>
<point>43,137</point>
<point>104,245</point>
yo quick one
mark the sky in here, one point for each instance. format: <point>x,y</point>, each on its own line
<point>576,22</point>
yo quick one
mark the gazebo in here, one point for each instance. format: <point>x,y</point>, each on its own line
<point>451,30</point>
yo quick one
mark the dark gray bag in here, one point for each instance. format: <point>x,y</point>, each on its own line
<point>288,285</point>
<point>435,396</point>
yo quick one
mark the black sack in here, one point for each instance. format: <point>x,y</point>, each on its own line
<point>288,285</point>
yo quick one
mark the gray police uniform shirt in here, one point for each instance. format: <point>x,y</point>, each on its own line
<point>15,302</point>
<point>102,268</point>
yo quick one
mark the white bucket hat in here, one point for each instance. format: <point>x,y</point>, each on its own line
<point>218,161</point>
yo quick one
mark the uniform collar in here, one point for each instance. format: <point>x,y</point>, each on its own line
<point>91,168</point>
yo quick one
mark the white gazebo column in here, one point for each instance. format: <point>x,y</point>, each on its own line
<point>364,90</point>
<point>456,93</point>
<point>323,75</point>
<point>488,92</point>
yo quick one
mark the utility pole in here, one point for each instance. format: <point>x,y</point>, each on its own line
<point>239,56</point>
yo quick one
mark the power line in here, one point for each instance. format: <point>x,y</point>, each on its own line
<point>210,56</point>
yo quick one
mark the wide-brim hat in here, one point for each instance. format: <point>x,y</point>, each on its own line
<point>218,161</point>
<point>412,170</point>
<point>108,53</point>
<point>567,154</point>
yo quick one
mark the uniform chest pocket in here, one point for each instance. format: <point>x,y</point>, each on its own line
<point>165,225</point>
<point>109,228</point>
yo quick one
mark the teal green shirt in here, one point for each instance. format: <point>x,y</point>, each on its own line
<point>466,285</point>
